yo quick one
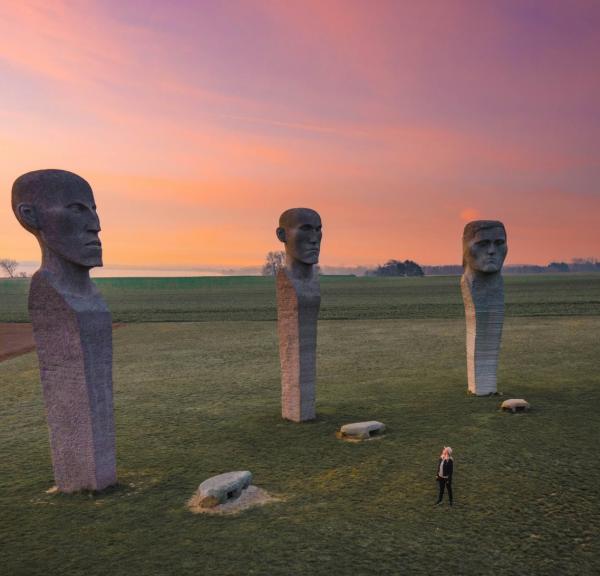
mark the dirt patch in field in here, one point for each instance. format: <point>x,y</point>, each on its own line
<point>17,339</point>
<point>250,497</point>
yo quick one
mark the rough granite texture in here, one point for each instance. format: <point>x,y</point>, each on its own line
<point>74,345</point>
<point>483,298</point>
<point>484,250</point>
<point>298,303</point>
<point>223,488</point>
<point>72,327</point>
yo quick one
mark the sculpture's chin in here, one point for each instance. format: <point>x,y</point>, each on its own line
<point>89,261</point>
<point>490,269</point>
<point>310,259</point>
<point>485,270</point>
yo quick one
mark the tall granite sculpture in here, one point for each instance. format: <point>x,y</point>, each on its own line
<point>298,301</point>
<point>484,251</point>
<point>72,327</point>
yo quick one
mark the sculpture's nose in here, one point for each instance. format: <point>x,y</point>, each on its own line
<point>94,222</point>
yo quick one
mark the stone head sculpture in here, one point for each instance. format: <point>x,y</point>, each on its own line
<point>58,208</point>
<point>71,325</point>
<point>300,229</point>
<point>484,247</point>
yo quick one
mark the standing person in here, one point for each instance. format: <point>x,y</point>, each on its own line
<point>444,474</point>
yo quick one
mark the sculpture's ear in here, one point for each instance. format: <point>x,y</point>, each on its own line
<point>281,234</point>
<point>27,216</point>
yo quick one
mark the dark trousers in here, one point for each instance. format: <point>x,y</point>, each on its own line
<point>444,483</point>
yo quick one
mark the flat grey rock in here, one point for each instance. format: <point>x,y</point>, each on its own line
<point>362,430</point>
<point>223,488</point>
<point>515,405</point>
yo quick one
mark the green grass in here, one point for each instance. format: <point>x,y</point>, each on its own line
<point>253,298</point>
<point>199,398</point>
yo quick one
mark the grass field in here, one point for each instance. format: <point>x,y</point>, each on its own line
<point>193,399</point>
<point>343,298</point>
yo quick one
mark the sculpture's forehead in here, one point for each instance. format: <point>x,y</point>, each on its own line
<point>65,193</point>
<point>303,216</point>
<point>494,233</point>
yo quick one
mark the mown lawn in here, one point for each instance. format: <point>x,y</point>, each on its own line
<point>199,398</point>
<point>348,298</point>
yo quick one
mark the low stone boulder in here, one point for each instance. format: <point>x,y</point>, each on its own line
<point>515,405</point>
<point>362,430</point>
<point>222,488</point>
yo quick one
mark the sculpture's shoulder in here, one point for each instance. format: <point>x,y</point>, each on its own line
<point>466,286</point>
<point>45,293</point>
<point>42,291</point>
<point>282,277</point>
<point>306,287</point>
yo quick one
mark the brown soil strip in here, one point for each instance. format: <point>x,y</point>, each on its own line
<point>17,339</point>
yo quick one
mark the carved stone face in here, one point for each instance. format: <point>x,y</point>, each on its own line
<point>61,212</point>
<point>486,250</point>
<point>301,232</point>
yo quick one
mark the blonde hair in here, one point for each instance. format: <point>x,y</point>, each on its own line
<point>447,450</point>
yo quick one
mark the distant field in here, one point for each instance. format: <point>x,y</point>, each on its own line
<point>195,399</point>
<point>253,298</point>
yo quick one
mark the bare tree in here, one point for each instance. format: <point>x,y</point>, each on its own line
<point>274,261</point>
<point>9,266</point>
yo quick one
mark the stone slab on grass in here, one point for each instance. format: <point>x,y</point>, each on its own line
<point>223,488</point>
<point>515,405</point>
<point>362,430</point>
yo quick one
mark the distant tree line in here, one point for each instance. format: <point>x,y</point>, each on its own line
<point>276,260</point>
<point>397,268</point>
<point>576,265</point>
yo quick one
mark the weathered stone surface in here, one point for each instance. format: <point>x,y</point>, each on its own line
<point>362,430</point>
<point>72,327</point>
<point>222,488</point>
<point>515,405</point>
<point>250,497</point>
<point>298,302</point>
<point>482,287</point>
<point>297,313</point>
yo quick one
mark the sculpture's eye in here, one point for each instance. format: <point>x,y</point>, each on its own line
<point>500,242</point>
<point>77,208</point>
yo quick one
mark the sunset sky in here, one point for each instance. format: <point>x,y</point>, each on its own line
<point>198,122</point>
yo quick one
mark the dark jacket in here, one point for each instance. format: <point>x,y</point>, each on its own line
<point>447,469</point>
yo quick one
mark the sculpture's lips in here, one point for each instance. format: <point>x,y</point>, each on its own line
<point>94,243</point>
